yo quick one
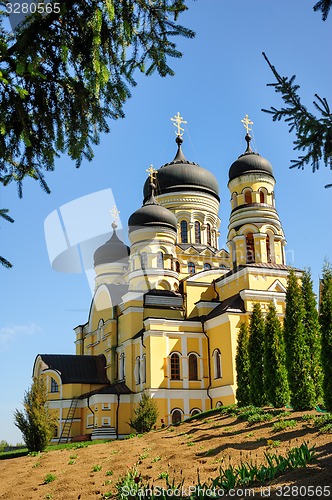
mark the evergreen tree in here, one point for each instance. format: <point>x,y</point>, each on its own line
<point>275,373</point>
<point>313,133</point>
<point>65,75</point>
<point>325,318</point>
<point>36,422</point>
<point>4,214</point>
<point>297,353</point>
<point>243,367</point>
<point>256,356</point>
<point>146,414</point>
<point>312,332</point>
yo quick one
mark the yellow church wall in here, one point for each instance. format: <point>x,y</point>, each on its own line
<point>223,337</point>
<point>192,345</point>
<point>126,412</point>
<point>196,293</point>
<point>152,312</point>
<point>129,325</point>
<point>155,361</point>
<point>196,403</point>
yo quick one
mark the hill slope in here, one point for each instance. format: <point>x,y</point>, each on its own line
<point>204,444</point>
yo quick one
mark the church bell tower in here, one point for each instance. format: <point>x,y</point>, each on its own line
<point>255,234</point>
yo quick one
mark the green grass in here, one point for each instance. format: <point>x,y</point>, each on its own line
<point>96,468</point>
<point>49,478</point>
<point>281,425</point>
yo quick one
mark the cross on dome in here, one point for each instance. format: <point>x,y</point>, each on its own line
<point>246,122</point>
<point>115,214</point>
<point>178,121</point>
<point>152,173</point>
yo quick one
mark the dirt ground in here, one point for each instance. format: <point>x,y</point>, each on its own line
<point>201,445</point>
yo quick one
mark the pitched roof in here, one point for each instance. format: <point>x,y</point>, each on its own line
<point>117,388</point>
<point>233,304</point>
<point>77,369</point>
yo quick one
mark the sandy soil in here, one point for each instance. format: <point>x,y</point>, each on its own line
<point>202,444</point>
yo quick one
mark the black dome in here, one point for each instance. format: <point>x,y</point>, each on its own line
<point>152,214</point>
<point>249,162</point>
<point>183,175</point>
<point>114,250</point>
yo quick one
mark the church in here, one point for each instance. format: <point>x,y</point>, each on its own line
<point>166,311</point>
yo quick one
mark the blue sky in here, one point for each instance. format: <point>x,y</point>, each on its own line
<point>221,77</point>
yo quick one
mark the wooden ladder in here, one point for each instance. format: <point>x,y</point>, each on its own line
<point>64,436</point>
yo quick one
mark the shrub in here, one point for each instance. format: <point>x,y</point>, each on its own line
<point>146,415</point>
<point>36,422</point>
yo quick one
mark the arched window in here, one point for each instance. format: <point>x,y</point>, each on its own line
<point>262,197</point>
<point>197,232</point>
<point>208,234</point>
<point>193,367</point>
<point>234,198</point>
<point>143,369</point>
<point>184,231</point>
<point>191,268</point>
<point>194,411</point>
<point>247,196</point>
<point>160,260</point>
<point>122,366</point>
<point>54,385</point>
<point>217,364</point>
<point>144,260</point>
<point>219,404</point>
<point>250,245</point>
<point>175,366</point>
<point>137,370</point>
<point>268,249</point>
<point>176,417</point>
<point>177,266</point>
<point>207,266</point>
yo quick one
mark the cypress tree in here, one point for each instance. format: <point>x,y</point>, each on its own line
<point>256,356</point>
<point>275,373</point>
<point>242,367</point>
<point>325,318</point>
<point>312,332</point>
<point>297,353</point>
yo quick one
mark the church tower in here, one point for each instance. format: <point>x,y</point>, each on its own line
<point>111,259</point>
<point>152,233</point>
<point>255,234</point>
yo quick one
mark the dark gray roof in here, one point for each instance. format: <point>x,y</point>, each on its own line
<point>183,175</point>
<point>250,162</point>
<point>152,214</point>
<point>116,388</point>
<point>232,304</point>
<point>78,369</point>
<point>269,265</point>
<point>112,251</point>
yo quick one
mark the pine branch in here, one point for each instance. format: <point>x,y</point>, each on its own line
<point>324,6</point>
<point>313,134</point>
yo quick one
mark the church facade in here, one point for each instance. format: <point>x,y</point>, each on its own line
<point>166,311</point>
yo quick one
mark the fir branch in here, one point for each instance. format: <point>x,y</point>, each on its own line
<point>313,134</point>
<point>324,6</point>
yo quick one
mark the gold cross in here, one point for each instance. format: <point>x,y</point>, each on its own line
<point>178,122</point>
<point>115,213</point>
<point>246,122</point>
<point>152,172</point>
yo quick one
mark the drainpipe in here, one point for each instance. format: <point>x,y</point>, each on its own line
<point>216,292</point>
<point>117,418</point>
<point>116,374</point>
<point>93,413</point>
<point>209,362</point>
